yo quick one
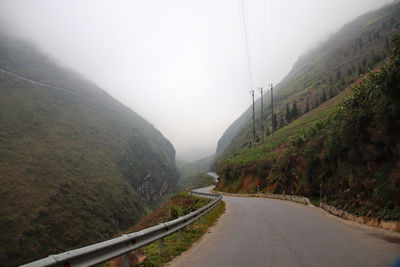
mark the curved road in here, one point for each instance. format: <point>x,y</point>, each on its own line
<point>266,232</point>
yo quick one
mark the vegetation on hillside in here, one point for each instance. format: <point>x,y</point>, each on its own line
<point>200,180</point>
<point>178,205</point>
<point>193,174</point>
<point>350,159</point>
<point>318,76</point>
<point>76,166</point>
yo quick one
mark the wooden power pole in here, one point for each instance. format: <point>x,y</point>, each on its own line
<point>262,114</point>
<point>254,129</point>
<point>272,108</point>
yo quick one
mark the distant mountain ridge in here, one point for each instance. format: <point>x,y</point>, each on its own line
<point>76,165</point>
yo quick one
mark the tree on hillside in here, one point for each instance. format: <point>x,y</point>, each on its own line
<point>349,72</point>
<point>360,43</point>
<point>338,75</point>
<point>376,58</point>
<point>360,70</point>
<point>364,62</point>
<point>288,115</point>
<point>323,97</point>
<point>281,121</point>
<point>274,122</point>
<point>295,111</point>
<point>307,107</point>
<point>392,21</point>
<point>316,103</point>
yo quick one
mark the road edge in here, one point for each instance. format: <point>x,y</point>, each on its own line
<point>390,226</point>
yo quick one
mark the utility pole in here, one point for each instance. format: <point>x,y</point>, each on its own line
<point>262,114</point>
<point>272,107</point>
<point>254,129</point>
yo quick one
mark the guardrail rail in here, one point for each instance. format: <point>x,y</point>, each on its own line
<point>121,246</point>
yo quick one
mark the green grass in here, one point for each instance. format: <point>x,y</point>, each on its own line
<point>282,137</point>
<point>174,247</point>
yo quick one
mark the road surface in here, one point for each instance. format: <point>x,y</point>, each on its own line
<point>266,232</point>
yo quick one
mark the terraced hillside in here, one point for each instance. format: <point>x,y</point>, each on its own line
<point>76,166</point>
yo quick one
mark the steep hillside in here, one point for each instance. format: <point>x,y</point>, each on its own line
<point>232,130</point>
<point>318,76</point>
<point>193,173</point>
<point>76,166</point>
<point>337,125</point>
<point>350,158</point>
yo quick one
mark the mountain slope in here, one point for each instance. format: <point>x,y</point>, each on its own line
<point>350,158</point>
<point>319,75</point>
<point>193,172</point>
<point>337,136</point>
<point>76,165</point>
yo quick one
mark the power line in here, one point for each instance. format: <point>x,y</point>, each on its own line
<point>245,37</point>
<point>263,41</point>
<point>279,39</point>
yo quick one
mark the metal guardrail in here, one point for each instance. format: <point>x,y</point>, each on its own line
<point>121,246</point>
<point>293,198</point>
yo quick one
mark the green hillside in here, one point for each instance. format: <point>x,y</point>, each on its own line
<point>349,158</point>
<point>193,174</point>
<point>336,138</point>
<point>319,75</point>
<point>76,166</point>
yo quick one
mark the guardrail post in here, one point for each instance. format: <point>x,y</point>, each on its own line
<point>160,244</point>
<point>125,260</point>
<point>180,234</point>
<point>191,227</point>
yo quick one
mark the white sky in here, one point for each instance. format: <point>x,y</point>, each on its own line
<point>181,64</point>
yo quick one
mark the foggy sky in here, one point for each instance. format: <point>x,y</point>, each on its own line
<point>180,64</point>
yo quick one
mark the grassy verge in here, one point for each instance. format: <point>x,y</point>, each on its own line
<point>173,247</point>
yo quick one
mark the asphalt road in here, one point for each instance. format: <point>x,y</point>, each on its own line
<point>266,232</point>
